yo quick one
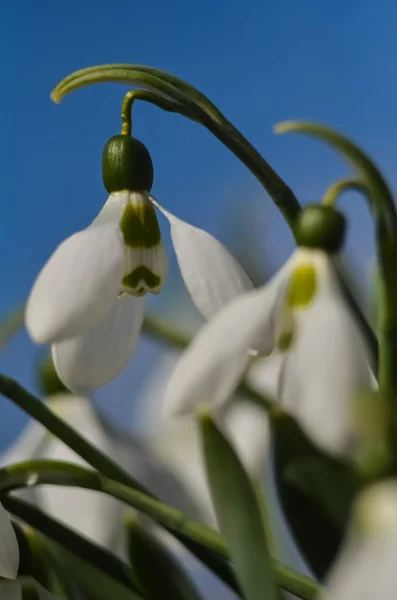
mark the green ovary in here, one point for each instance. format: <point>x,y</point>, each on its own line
<point>302,286</point>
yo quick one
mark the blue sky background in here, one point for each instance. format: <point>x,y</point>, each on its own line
<point>259,61</point>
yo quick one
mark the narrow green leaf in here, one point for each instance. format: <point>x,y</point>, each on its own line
<point>238,513</point>
<point>156,569</point>
<point>333,485</point>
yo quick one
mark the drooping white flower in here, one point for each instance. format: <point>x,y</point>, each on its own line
<point>366,566</point>
<point>302,314</point>
<point>94,515</point>
<point>89,299</point>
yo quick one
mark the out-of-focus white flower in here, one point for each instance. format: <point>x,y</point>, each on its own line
<point>92,514</point>
<point>366,566</point>
<point>9,549</point>
<point>13,590</point>
<point>88,301</point>
<point>302,314</point>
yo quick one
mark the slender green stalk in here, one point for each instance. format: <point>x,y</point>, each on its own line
<point>34,407</point>
<point>343,185</point>
<point>194,105</point>
<point>10,325</point>
<point>45,472</point>
<point>163,103</point>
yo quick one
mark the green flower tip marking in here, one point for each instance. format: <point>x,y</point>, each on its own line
<point>320,226</point>
<point>302,286</point>
<point>137,279</point>
<point>126,165</point>
<point>139,224</point>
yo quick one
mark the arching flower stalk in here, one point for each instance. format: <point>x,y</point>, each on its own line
<point>89,299</point>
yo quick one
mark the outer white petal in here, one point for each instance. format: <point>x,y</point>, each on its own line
<point>211,274</point>
<point>210,368</point>
<point>366,566</point>
<point>91,360</point>
<point>93,515</point>
<point>9,549</point>
<point>325,368</point>
<point>248,427</point>
<point>77,286</point>
<point>10,590</point>
<point>26,446</point>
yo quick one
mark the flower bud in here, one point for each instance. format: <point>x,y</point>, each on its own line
<point>320,226</point>
<point>126,165</point>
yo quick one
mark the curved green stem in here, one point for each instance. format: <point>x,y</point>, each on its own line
<point>343,185</point>
<point>197,106</point>
<point>37,409</point>
<point>385,217</point>
<point>45,472</point>
<point>163,103</point>
<point>10,325</point>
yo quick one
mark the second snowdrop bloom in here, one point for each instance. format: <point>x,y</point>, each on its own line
<point>366,566</point>
<point>89,299</point>
<point>301,314</point>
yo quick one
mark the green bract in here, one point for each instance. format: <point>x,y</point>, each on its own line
<point>126,165</point>
<point>320,227</point>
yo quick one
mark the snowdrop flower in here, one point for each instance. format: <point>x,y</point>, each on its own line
<point>89,299</point>
<point>302,314</point>
<point>365,568</point>
<point>94,515</point>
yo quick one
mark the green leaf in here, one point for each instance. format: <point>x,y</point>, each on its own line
<point>317,536</point>
<point>205,543</point>
<point>332,485</point>
<point>96,583</point>
<point>156,569</point>
<point>238,513</point>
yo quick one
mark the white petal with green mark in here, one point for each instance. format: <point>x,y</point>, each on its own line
<point>9,549</point>
<point>326,366</point>
<point>77,286</point>
<point>211,274</point>
<point>89,361</point>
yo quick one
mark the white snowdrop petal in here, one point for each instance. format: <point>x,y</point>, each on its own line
<point>77,286</point>
<point>91,514</point>
<point>26,446</point>
<point>324,369</point>
<point>211,274</point>
<point>91,360</point>
<point>10,590</point>
<point>365,568</point>
<point>9,549</point>
<point>248,427</point>
<point>212,365</point>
